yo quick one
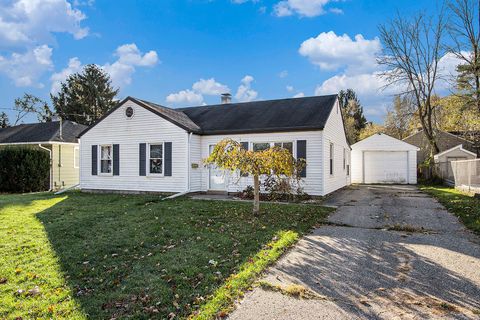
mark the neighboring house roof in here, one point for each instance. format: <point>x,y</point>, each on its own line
<point>41,132</point>
<point>459,147</point>
<point>294,114</point>
<point>445,141</point>
<point>383,142</point>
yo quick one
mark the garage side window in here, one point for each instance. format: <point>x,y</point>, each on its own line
<point>331,158</point>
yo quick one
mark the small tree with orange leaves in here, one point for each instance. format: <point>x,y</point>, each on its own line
<point>229,155</point>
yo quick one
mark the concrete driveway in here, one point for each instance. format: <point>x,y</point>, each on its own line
<point>391,252</point>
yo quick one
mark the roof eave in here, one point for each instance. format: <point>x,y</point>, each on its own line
<point>260,130</point>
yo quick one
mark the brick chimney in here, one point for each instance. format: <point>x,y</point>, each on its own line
<point>226,98</point>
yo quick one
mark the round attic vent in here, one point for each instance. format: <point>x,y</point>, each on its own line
<point>129,112</point>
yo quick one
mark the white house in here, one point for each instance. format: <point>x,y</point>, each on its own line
<point>384,159</point>
<point>140,146</point>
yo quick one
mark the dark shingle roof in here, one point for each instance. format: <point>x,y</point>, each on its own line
<point>41,132</point>
<point>295,114</point>
<point>178,117</point>
<point>310,113</point>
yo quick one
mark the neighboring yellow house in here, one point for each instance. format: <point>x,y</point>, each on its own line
<point>59,139</point>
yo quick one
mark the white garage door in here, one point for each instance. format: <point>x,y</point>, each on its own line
<point>385,167</point>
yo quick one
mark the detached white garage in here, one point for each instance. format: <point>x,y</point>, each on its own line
<point>384,159</point>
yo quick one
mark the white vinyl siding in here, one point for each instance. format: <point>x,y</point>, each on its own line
<point>143,127</point>
<point>334,133</point>
<point>234,183</point>
<point>383,159</point>
<point>195,163</point>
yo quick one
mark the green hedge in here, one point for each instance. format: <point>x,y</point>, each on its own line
<point>24,169</point>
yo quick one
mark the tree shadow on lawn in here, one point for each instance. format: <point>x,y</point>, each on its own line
<point>375,274</point>
<point>136,256</point>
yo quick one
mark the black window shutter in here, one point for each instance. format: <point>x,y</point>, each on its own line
<point>244,146</point>
<point>94,160</point>
<point>116,159</point>
<point>302,154</point>
<point>143,159</point>
<point>168,159</point>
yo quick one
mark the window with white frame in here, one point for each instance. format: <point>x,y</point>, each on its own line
<point>331,158</point>
<point>106,159</point>
<point>285,145</point>
<point>260,146</point>
<point>344,159</point>
<point>76,157</point>
<point>156,158</point>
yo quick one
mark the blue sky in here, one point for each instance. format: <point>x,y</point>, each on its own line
<point>180,53</point>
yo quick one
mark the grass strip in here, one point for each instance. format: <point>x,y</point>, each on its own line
<point>464,206</point>
<point>237,284</point>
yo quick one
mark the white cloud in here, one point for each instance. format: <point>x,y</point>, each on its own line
<point>289,88</point>
<point>332,52</point>
<point>370,87</point>
<point>336,10</point>
<point>25,69</point>
<point>30,22</point>
<point>299,95</point>
<point>202,87</point>
<point>129,57</point>
<point>355,60</point>
<point>210,87</point>
<point>74,65</point>
<point>185,97</point>
<point>244,92</point>
<point>304,8</point>
<point>283,74</point>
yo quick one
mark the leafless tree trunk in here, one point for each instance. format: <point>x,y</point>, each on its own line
<point>412,51</point>
<point>256,195</point>
<point>464,29</point>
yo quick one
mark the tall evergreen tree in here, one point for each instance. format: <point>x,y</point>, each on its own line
<point>353,114</point>
<point>86,96</point>
<point>464,29</point>
<point>4,122</point>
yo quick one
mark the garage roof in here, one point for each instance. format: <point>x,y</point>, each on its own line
<point>383,142</point>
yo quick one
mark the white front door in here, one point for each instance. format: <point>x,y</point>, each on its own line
<point>216,176</point>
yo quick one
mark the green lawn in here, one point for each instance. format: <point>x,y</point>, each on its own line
<point>113,256</point>
<point>464,206</point>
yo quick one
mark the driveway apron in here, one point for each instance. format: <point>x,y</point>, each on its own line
<point>389,252</point>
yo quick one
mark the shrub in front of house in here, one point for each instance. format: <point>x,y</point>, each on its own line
<point>24,169</point>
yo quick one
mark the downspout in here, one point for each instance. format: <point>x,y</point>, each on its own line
<point>189,139</point>
<point>51,164</point>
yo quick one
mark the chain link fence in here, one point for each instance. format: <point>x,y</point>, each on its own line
<point>466,175</point>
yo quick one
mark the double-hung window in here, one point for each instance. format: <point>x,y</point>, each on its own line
<point>331,158</point>
<point>106,159</point>
<point>156,159</point>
